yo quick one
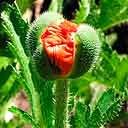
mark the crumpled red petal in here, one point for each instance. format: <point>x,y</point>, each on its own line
<point>59,45</point>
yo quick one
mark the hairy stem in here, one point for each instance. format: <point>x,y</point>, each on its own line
<point>61,96</point>
<point>24,62</point>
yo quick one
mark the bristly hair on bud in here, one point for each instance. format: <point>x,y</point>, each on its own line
<point>61,49</point>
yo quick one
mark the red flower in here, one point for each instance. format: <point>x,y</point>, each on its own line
<point>60,48</point>
<point>59,44</point>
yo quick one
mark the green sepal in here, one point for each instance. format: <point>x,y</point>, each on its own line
<point>36,29</point>
<point>35,50</point>
<point>88,49</point>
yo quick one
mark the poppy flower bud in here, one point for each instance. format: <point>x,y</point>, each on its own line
<point>60,48</point>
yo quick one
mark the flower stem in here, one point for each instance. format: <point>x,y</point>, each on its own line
<point>61,96</point>
<point>17,48</point>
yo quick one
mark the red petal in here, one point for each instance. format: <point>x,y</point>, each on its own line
<point>59,45</point>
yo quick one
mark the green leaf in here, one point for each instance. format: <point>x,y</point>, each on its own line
<point>20,26</point>
<point>81,116</point>
<point>8,1</point>
<point>53,6</point>
<point>60,5</point>
<point>56,6</point>
<point>121,79</point>
<point>113,111</point>
<point>107,108</point>
<point>95,120</point>
<point>106,100</point>
<point>40,113</point>
<point>8,84</point>
<point>5,52</point>
<point>82,13</point>
<point>111,70</point>
<point>4,75</point>
<point>93,16</point>
<point>112,12</point>
<point>8,90</point>
<point>24,4</point>
<point>108,13</point>
<point>79,86</point>
<point>5,61</point>
<point>24,116</point>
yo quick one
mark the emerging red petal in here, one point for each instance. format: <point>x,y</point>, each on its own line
<point>59,45</point>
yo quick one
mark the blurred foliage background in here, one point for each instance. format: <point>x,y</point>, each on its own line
<point>110,18</point>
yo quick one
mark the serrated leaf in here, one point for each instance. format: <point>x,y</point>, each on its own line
<point>79,86</point>
<point>95,119</point>
<point>105,70</point>
<point>24,63</point>
<point>53,6</point>
<point>8,84</point>
<point>82,13</point>
<point>82,116</point>
<point>5,52</point>
<point>121,79</point>
<point>106,100</point>
<point>19,25</point>
<point>10,88</point>
<point>93,16</point>
<point>113,111</point>
<point>4,62</point>
<point>4,75</point>
<point>56,6</point>
<point>24,4</point>
<point>112,13</point>
<point>24,116</point>
<point>111,69</point>
<point>108,14</point>
<point>107,107</point>
<point>8,1</point>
